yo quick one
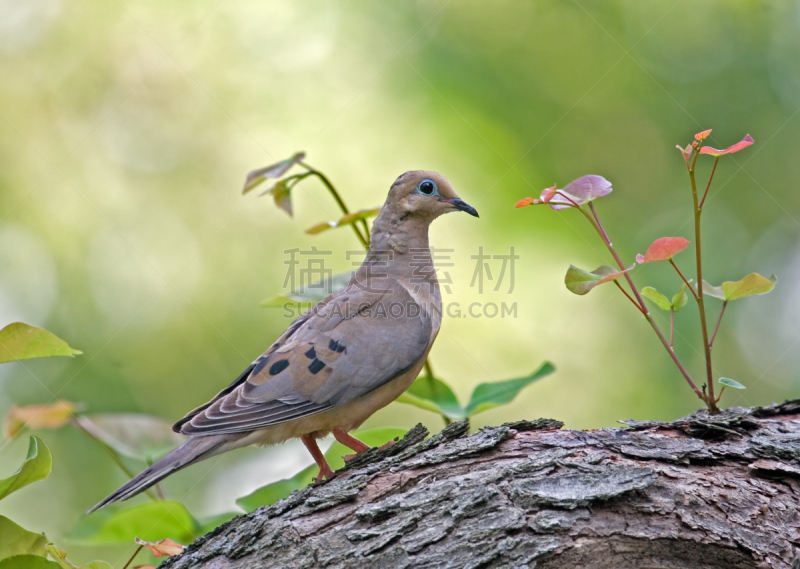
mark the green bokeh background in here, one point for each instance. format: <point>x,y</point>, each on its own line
<point>128,127</point>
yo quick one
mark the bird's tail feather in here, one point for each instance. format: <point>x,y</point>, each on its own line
<point>193,450</point>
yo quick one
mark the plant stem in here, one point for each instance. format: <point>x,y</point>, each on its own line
<point>428,369</point>
<point>719,320</point>
<point>328,184</point>
<point>701,306</point>
<point>135,553</point>
<point>672,328</point>
<point>619,286</point>
<point>429,373</point>
<point>671,262</point>
<point>604,236</point>
<point>708,185</point>
<point>113,454</point>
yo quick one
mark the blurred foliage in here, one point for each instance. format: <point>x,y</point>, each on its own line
<point>20,341</point>
<point>126,133</point>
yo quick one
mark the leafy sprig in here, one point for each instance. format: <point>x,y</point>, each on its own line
<point>580,195</point>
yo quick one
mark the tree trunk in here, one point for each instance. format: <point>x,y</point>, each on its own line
<point>702,492</point>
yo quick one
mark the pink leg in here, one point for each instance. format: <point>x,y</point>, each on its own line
<point>350,442</point>
<point>324,468</point>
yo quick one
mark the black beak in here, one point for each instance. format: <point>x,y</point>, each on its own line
<point>463,206</point>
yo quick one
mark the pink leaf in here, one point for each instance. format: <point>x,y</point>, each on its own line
<point>548,193</point>
<point>663,249</point>
<point>580,191</point>
<point>686,153</point>
<point>587,188</point>
<point>701,136</point>
<point>525,202</point>
<point>744,143</point>
<point>164,548</point>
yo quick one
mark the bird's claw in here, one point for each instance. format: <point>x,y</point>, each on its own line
<point>324,474</point>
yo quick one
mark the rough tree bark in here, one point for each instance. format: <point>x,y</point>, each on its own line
<point>701,492</point>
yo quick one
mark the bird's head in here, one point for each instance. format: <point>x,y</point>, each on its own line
<point>426,195</point>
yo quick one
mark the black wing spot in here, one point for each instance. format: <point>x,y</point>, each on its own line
<point>335,346</point>
<point>316,366</point>
<point>311,354</point>
<point>278,367</point>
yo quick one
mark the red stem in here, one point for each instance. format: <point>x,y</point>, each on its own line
<point>604,236</point>
<point>671,328</point>
<point>719,320</point>
<point>701,307</point>
<point>619,286</point>
<point>708,185</point>
<point>135,553</point>
<point>684,278</point>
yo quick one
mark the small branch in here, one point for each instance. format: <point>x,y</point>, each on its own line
<point>672,328</point>
<point>604,236</point>
<point>701,307</point>
<point>674,266</point>
<point>328,184</point>
<point>708,185</point>
<point>719,320</point>
<point>619,286</point>
<point>135,553</point>
<point>113,454</point>
<point>429,372</point>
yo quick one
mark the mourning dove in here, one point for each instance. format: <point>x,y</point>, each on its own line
<point>350,355</point>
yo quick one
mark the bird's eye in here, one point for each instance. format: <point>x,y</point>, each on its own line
<point>427,187</point>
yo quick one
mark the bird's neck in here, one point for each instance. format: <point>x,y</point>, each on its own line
<point>400,233</point>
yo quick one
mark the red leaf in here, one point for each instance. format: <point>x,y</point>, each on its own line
<point>164,548</point>
<point>685,152</point>
<point>525,202</point>
<point>548,193</point>
<point>701,136</point>
<point>744,143</point>
<point>663,249</point>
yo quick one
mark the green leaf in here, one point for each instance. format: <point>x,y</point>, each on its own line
<point>61,560</point>
<point>348,219</point>
<point>434,395</point>
<point>15,540</point>
<point>581,282</point>
<point>281,192</point>
<point>728,382</point>
<point>715,291</point>
<point>656,298</point>
<point>312,293</point>
<point>273,171</point>
<point>489,395</point>
<point>271,493</point>
<point>150,522</point>
<point>37,466</point>
<point>132,434</point>
<point>749,285</point>
<point>20,341</point>
<point>680,299</point>
<point>28,562</point>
